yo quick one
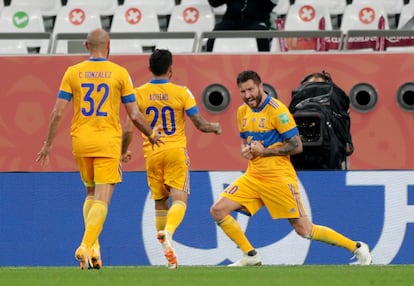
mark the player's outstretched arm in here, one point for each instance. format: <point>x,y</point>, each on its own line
<point>204,126</point>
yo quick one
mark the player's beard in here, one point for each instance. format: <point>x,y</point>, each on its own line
<point>254,104</point>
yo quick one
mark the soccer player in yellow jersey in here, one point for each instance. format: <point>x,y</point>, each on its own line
<point>97,87</point>
<point>269,135</point>
<point>166,104</point>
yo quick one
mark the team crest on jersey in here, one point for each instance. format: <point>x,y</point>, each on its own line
<point>244,121</point>
<point>284,118</point>
<point>262,122</point>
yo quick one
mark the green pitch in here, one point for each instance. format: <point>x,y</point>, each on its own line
<point>303,275</point>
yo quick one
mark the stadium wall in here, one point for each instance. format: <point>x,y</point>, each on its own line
<point>382,136</point>
<point>41,220</point>
<point>40,208</point>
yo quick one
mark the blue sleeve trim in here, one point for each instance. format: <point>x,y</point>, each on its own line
<point>192,111</point>
<point>64,95</point>
<point>129,98</point>
<point>292,132</point>
<point>271,137</point>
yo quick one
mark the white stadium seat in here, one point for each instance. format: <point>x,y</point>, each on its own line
<point>21,19</point>
<point>307,17</point>
<point>391,7</point>
<point>46,7</point>
<point>103,7</point>
<point>407,13</point>
<point>303,17</point>
<point>364,16</point>
<point>13,47</point>
<point>133,18</point>
<point>73,20</point>
<point>191,17</point>
<point>161,7</point>
<point>188,18</point>
<point>282,7</point>
<point>15,19</point>
<point>335,7</point>
<point>235,45</point>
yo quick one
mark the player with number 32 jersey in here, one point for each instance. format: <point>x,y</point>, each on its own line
<point>92,85</point>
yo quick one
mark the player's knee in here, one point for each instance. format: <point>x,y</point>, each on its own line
<point>215,212</point>
<point>303,233</point>
<point>307,236</point>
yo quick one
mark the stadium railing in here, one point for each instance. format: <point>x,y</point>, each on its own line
<point>76,40</point>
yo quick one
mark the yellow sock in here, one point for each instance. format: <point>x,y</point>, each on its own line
<point>160,219</point>
<point>94,223</point>
<point>175,216</point>
<point>232,229</point>
<point>87,204</point>
<point>330,236</point>
<point>89,200</point>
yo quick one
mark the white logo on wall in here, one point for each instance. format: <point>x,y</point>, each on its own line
<point>291,249</point>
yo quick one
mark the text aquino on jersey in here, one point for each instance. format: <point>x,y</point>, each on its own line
<point>156,97</point>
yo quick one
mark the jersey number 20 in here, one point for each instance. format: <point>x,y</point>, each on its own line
<point>167,116</point>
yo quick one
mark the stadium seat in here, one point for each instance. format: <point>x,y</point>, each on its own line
<point>364,16</point>
<point>13,47</point>
<point>135,18</point>
<point>391,7</point>
<point>235,45</point>
<point>73,20</point>
<point>335,7</point>
<point>196,2</point>
<point>188,18</point>
<point>305,17</point>
<point>132,19</point>
<point>406,22</point>
<point>191,17</point>
<point>161,7</point>
<point>282,7</point>
<point>47,7</point>
<point>22,20</point>
<point>16,19</point>
<point>219,11</point>
<point>407,13</point>
<point>103,7</point>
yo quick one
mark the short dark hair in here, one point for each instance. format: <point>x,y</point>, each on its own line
<point>159,61</point>
<point>324,76</point>
<point>247,75</point>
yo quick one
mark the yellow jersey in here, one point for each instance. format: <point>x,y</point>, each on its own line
<point>97,87</point>
<point>165,104</point>
<point>271,124</point>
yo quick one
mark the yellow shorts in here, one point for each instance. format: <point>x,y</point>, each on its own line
<point>280,196</point>
<point>166,170</point>
<point>99,170</point>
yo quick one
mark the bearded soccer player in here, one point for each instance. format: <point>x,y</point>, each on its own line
<point>269,136</point>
